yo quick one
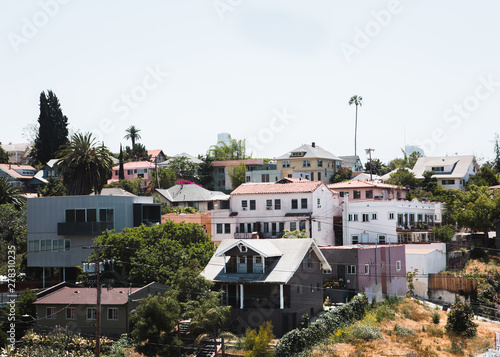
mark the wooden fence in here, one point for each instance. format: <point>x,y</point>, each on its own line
<point>451,283</point>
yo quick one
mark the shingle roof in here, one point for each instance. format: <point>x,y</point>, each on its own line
<point>86,296</point>
<point>362,184</point>
<point>191,193</point>
<point>237,162</point>
<point>304,186</point>
<point>460,165</point>
<point>310,152</point>
<point>10,169</point>
<point>135,165</point>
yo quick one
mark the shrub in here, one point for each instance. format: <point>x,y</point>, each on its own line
<point>366,332</point>
<point>460,320</point>
<point>403,331</point>
<point>434,331</point>
<point>436,318</point>
<point>257,344</point>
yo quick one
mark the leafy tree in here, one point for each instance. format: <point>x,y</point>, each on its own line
<point>343,174</point>
<point>10,193</point>
<point>183,168</point>
<point>237,174</point>
<point>460,319</point>
<point>132,134</point>
<point>209,320</point>
<point>138,152</point>
<point>429,183</point>
<point>497,154</point>
<point>54,187</point>
<point>378,167</point>
<point>258,344</point>
<point>356,100</point>
<point>154,322</point>
<point>13,231</point>
<point>404,178</point>
<point>166,178</point>
<point>4,158</point>
<point>444,233</point>
<point>52,131</point>
<point>133,186</point>
<point>121,171</point>
<point>485,177</point>
<point>205,172</point>
<point>295,234</point>
<point>84,166</point>
<point>190,284</point>
<point>410,277</point>
<point>235,150</point>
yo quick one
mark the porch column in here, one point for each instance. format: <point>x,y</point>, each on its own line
<point>43,277</point>
<point>241,296</point>
<point>282,301</point>
<point>64,273</point>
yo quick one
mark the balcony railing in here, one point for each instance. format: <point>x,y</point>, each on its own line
<point>83,228</point>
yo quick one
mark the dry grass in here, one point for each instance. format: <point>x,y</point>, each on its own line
<point>426,341</point>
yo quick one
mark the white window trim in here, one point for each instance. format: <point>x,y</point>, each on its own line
<point>367,269</point>
<point>398,265</point>
<point>117,315</point>
<point>68,309</point>
<point>87,313</point>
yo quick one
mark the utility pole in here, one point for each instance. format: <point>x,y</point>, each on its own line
<point>369,151</point>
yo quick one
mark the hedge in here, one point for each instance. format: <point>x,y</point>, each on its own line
<point>298,340</point>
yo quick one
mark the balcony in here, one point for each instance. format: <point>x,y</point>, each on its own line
<point>245,235</point>
<point>83,228</point>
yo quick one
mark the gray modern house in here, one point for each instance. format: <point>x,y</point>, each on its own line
<point>59,228</point>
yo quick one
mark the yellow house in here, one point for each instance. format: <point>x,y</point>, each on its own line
<point>309,162</point>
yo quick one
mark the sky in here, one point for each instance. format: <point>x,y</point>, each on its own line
<point>276,73</point>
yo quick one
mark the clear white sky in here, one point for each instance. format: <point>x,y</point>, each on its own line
<point>428,71</point>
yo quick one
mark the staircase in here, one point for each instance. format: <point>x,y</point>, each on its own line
<point>207,350</point>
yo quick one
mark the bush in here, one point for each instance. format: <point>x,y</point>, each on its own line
<point>434,331</point>
<point>436,318</point>
<point>460,320</point>
<point>366,332</point>
<point>257,344</point>
<point>403,331</point>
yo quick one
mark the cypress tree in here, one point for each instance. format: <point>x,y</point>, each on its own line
<point>121,171</point>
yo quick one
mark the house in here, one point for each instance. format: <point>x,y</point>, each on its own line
<point>59,228</point>
<point>427,259</point>
<point>182,196</point>
<point>368,190</point>
<point>450,171</point>
<point>277,280</point>
<point>47,171</point>
<point>185,155</point>
<point>267,173</point>
<point>309,162</point>
<point>379,271</point>
<point>222,181</point>
<point>18,153</point>
<point>352,162</point>
<point>133,170</point>
<point>202,218</point>
<point>267,209</point>
<point>74,307</point>
<point>157,156</point>
<point>389,221</point>
<point>21,176</point>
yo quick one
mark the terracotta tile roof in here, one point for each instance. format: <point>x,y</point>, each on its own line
<point>237,162</point>
<point>135,165</point>
<point>303,186</point>
<point>86,296</point>
<point>362,184</point>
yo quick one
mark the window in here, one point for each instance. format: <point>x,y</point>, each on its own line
<point>438,169</point>
<point>71,313</point>
<point>106,215</point>
<point>112,313</point>
<point>91,313</point>
<point>130,172</point>
<point>285,163</point>
<point>248,179</point>
<point>303,203</point>
<point>391,215</point>
<point>50,313</point>
<point>227,228</point>
<point>374,216</point>
<point>356,194</point>
<point>381,238</point>
<point>319,176</point>
<point>398,265</point>
<point>266,227</point>
<point>318,203</point>
<point>355,239</point>
<point>219,228</point>
<point>252,205</point>
<point>46,245</point>
<point>302,225</point>
<point>299,289</point>
<point>365,217</point>
<point>367,268</point>
<point>448,182</point>
<point>241,263</point>
<point>309,261</point>
<point>242,248</point>
<point>319,226</point>
<point>244,205</point>
<point>419,217</point>
<point>320,163</point>
<point>265,178</point>
<point>220,170</point>
<point>257,264</point>
<point>312,288</point>
<point>269,204</point>
<point>306,163</point>
<point>295,203</point>
<point>277,204</point>
<point>67,245</point>
<point>412,218</point>
<point>293,226</point>
<point>369,194</point>
<point>355,217</point>
<point>351,269</point>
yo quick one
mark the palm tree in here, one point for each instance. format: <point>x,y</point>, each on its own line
<point>133,134</point>
<point>357,100</point>
<point>84,165</point>
<point>10,193</point>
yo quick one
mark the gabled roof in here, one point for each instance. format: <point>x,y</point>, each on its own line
<point>136,165</point>
<point>460,165</point>
<point>363,176</point>
<point>293,252</point>
<point>350,161</point>
<point>86,296</point>
<point>155,153</point>
<point>191,193</point>
<point>304,186</point>
<point>310,151</point>
<point>191,158</point>
<point>12,170</point>
<point>237,162</point>
<point>362,184</point>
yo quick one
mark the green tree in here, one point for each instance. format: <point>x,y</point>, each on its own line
<point>485,177</point>
<point>429,183</point>
<point>52,130</point>
<point>356,100</point>
<point>84,166</point>
<point>235,150</point>
<point>205,172</point>
<point>54,187</point>
<point>460,319</point>
<point>4,158</point>
<point>237,174</point>
<point>10,193</point>
<point>166,178</point>
<point>410,278</point>
<point>121,171</point>
<point>444,233</point>
<point>153,323</point>
<point>378,167</point>
<point>138,152</point>
<point>183,168</point>
<point>132,134</point>
<point>343,174</point>
<point>403,177</point>
<point>295,234</point>
<point>13,231</point>
<point>497,154</point>
<point>258,344</point>
<point>133,186</point>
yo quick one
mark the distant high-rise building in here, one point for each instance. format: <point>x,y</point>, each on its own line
<point>411,148</point>
<point>223,137</point>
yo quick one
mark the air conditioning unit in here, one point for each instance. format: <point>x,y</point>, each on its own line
<point>269,207</point>
<point>244,208</point>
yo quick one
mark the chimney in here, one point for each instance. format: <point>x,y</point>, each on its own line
<point>313,144</point>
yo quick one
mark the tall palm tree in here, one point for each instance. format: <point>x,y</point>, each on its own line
<point>357,100</point>
<point>132,134</point>
<point>10,193</point>
<point>84,165</point>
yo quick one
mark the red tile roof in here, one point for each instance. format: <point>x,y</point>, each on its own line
<point>86,296</point>
<point>135,165</point>
<point>303,186</point>
<point>362,184</point>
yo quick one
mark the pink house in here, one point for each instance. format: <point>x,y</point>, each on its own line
<point>135,169</point>
<point>368,190</point>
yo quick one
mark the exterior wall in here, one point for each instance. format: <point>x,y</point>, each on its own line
<point>257,175</point>
<point>141,169</point>
<point>222,181</point>
<point>201,218</point>
<point>427,263</point>
<point>382,193</point>
<point>296,169</point>
<point>45,213</point>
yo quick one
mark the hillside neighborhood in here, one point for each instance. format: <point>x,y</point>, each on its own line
<point>111,240</point>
